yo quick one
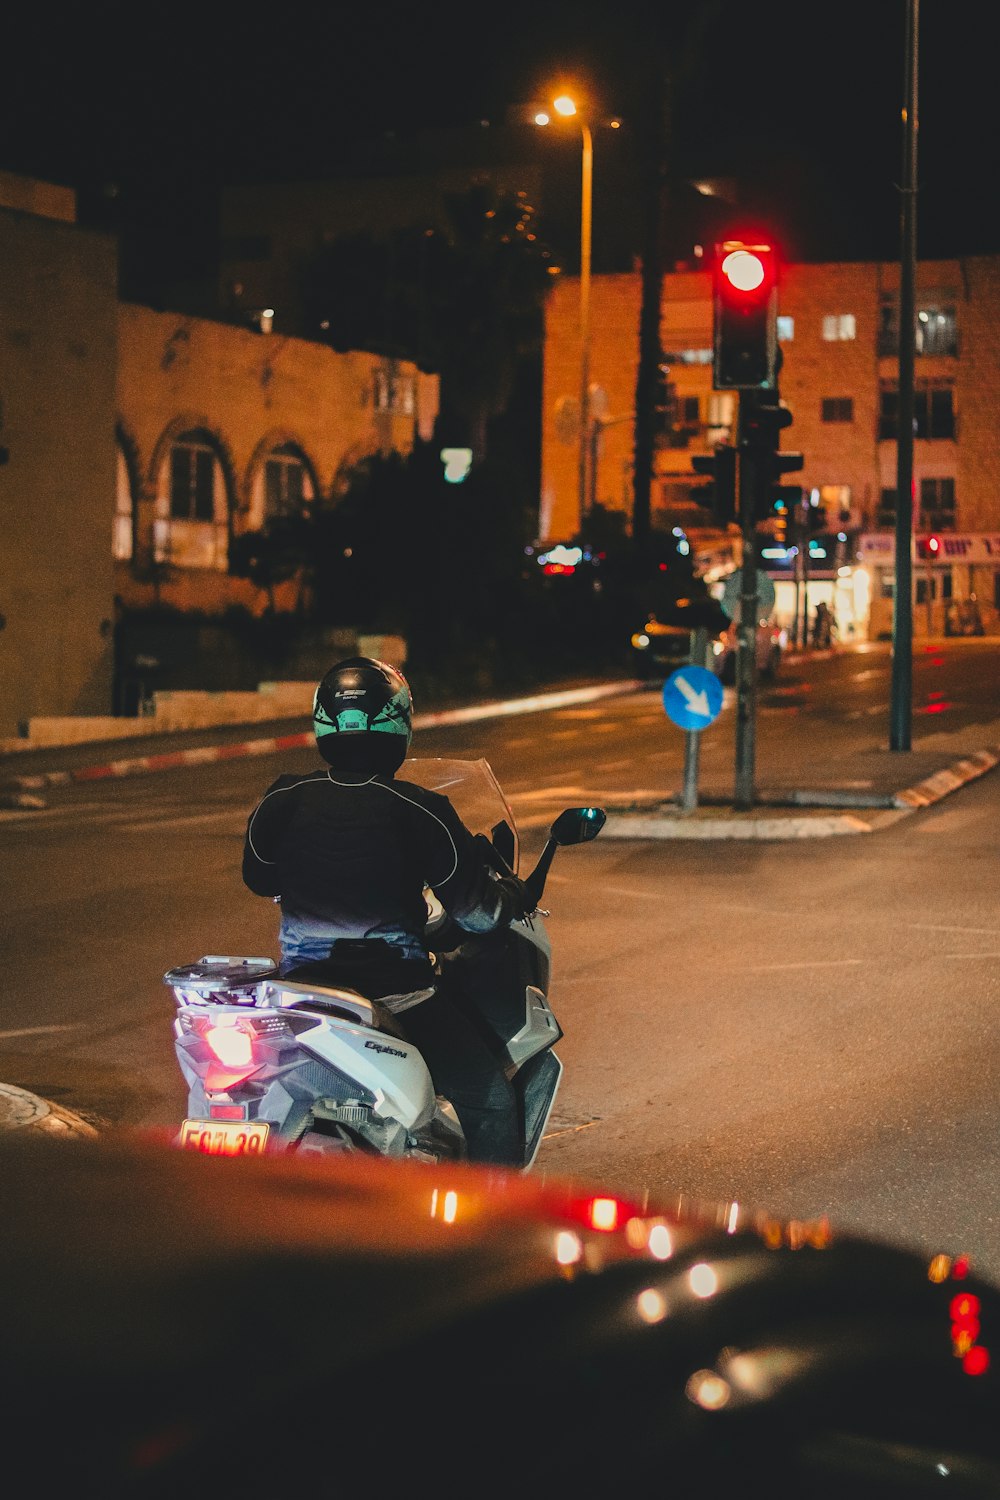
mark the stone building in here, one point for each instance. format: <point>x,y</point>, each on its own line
<point>220,428</point>
<point>837,328</point>
<point>135,444</point>
<point>58,335</point>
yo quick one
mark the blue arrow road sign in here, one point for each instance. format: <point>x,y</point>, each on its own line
<point>692,697</point>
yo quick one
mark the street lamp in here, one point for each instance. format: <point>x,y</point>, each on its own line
<point>566,107</point>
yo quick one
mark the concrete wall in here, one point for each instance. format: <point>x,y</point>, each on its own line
<point>58,328</point>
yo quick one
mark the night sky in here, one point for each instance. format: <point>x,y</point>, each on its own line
<point>799,102</point>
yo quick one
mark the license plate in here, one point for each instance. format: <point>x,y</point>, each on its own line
<point>225,1137</point>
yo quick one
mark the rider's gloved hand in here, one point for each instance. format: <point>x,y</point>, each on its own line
<point>515,897</point>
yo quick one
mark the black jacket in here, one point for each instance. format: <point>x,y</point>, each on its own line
<point>350,860</point>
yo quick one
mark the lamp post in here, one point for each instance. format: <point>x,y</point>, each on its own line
<point>565,106</point>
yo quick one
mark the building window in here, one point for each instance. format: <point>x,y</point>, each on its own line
<point>192,474</point>
<point>937,504</point>
<point>839,326</point>
<point>786,329</point>
<point>835,500</point>
<point>394,391</point>
<point>688,357</point>
<point>191,519</point>
<point>933,412</point>
<point>887,510</point>
<point>288,482</point>
<point>122,535</point>
<point>721,417</point>
<point>837,409</point>
<point>935,330</point>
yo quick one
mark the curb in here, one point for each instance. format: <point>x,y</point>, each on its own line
<point>668,822</point>
<point>21,1110</point>
<point>750,826</point>
<point>933,788</point>
<point>169,760</point>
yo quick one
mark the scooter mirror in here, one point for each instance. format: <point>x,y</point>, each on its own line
<point>578,825</point>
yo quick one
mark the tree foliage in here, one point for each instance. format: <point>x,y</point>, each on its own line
<point>462,298</point>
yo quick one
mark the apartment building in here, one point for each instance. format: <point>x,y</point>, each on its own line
<point>838,332</point>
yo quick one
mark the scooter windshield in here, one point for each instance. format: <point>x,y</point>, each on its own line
<point>473,791</point>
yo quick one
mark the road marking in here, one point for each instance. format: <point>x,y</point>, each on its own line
<point>541,793</point>
<point>37,1030</point>
<point>819,963</point>
<point>939,927</point>
<point>195,820</point>
<point>971,955</point>
<point>620,890</point>
<point>565,734</point>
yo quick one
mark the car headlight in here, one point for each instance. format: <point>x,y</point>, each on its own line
<point>718,647</point>
<point>640,641</point>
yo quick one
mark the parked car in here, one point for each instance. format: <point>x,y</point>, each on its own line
<point>663,642</point>
<point>178,1325</point>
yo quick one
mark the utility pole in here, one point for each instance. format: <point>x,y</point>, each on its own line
<point>746,630</point>
<point>901,704</point>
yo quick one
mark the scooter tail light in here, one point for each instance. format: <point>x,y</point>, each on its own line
<point>232,1045</point>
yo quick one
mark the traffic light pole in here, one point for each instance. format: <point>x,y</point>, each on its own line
<point>746,630</point>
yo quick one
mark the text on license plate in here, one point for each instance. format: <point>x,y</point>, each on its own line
<point>225,1137</point>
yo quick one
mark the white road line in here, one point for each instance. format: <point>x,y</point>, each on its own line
<point>38,1030</point>
<point>971,955</point>
<point>619,890</point>
<point>196,820</point>
<point>819,963</point>
<point>938,927</point>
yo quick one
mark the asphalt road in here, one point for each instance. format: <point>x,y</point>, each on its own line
<point>809,1028</point>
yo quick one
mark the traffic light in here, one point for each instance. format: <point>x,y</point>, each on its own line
<point>928,547</point>
<point>763,417</point>
<point>745,316</point>
<point>720,496</point>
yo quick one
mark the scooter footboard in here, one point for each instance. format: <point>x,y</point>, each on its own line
<point>537,1082</point>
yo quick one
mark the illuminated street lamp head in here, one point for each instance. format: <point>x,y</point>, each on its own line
<point>564,105</point>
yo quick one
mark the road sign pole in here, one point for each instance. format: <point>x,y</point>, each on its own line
<point>692,740</point>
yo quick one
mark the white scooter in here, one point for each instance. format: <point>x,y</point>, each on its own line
<point>275,1065</point>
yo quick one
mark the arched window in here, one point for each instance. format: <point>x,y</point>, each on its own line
<point>283,484</point>
<point>123,526</point>
<point>288,482</point>
<point>192,503</point>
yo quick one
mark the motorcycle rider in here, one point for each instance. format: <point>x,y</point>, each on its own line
<point>348,850</point>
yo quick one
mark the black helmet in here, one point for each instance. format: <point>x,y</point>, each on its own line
<point>362,717</point>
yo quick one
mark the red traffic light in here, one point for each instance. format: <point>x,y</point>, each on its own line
<point>745,282</point>
<point>743,270</point>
